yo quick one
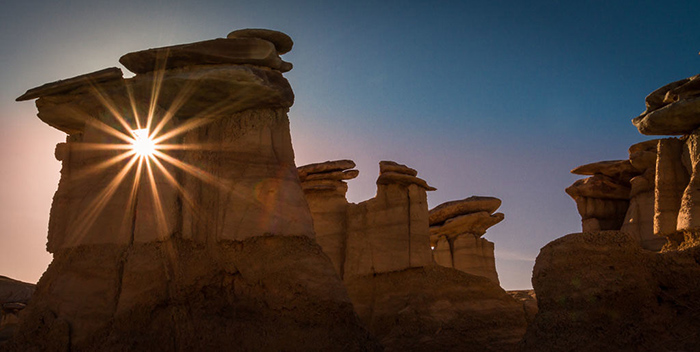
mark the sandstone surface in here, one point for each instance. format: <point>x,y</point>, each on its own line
<point>472,204</point>
<point>63,86</point>
<point>616,169</point>
<point>207,244</point>
<point>455,235</point>
<point>237,51</point>
<point>603,292</point>
<point>671,109</point>
<point>283,43</point>
<point>14,295</point>
<point>434,308</point>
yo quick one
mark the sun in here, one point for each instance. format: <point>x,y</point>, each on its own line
<point>142,144</point>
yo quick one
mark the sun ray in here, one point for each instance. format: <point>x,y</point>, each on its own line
<point>92,169</point>
<point>192,170</point>
<point>161,224</point>
<point>87,219</point>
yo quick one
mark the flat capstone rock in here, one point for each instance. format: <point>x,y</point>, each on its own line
<point>66,85</point>
<point>237,51</point>
<point>455,208</point>
<point>283,43</point>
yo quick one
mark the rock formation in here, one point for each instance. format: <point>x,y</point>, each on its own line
<point>14,296</point>
<point>204,245</point>
<point>456,228</point>
<point>381,248</point>
<point>604,290</point>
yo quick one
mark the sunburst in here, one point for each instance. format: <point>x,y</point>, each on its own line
<point>143,152</point>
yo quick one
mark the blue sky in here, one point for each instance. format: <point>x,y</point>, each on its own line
<point>498,98</point>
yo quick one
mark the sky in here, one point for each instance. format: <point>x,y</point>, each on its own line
<point>491,98</point>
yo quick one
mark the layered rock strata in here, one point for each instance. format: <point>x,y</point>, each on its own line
<point>456,228</point>
<point>381,248</point>
<point>386,233</point>
<point>206,244</point>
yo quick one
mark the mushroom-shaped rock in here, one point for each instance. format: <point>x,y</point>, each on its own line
<point>391,166</point>
<point>67,85</point>
<point>676,113</point>
<point>390,177</point>
<point>218,91</point>
<point>283,43</point>
<point>334,175</point>
<point>220,51</point>
<point>656,98</point>
<point>599,186</point>
<point>455,208</point>
<point>324,167</point>
<point>473,223</point>
<point>617,169</point>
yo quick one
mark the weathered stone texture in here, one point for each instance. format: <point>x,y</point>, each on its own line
<point>434,308</point>
<point>457,226</point>
<point>603,292</point>
<point>206,246</point>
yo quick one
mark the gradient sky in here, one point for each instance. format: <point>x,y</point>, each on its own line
<point>498,98</point>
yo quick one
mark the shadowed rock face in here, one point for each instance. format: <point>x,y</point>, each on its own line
<point>207,245</point>
<point>381,248</point>
<point>437,309</point>
<point>603,292</point>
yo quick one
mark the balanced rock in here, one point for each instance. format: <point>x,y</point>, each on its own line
<point>599,186</point>
<point>454,208</point>
<point>616,169</point>
<point>391,166</point>
<point>457,242</point>
<point>474,223</point>
<point>238,51</point>
<point>283,43</point>
<point>324,167</point>
<point>674,114</point>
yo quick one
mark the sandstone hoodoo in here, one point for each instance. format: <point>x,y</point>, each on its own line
<point>204,244</point>
<point>456,228</point>
<point>634,288</point>
<point>381,248</point>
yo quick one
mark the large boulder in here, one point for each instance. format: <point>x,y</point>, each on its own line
<point>602,292</point>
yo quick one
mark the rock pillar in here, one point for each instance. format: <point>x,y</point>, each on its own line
<point>204,244</point>
<point>456,228</point>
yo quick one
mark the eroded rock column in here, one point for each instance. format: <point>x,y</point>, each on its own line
<point>455,234</point>
<point>205,244</point>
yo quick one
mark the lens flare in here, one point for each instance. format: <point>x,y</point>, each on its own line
<point>143,145</point>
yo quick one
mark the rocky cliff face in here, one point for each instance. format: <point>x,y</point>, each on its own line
<point>620,290</point>
<point>206,244</point>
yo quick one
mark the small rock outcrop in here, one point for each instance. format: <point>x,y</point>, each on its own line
<point>381,248</point>
<point>207,243</point>
<point>456,228</point>
<point>14,296</point>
